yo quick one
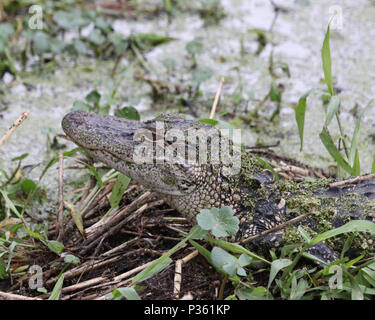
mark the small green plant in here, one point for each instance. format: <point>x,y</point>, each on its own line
<point>350,161</point>
<point>241,266</point>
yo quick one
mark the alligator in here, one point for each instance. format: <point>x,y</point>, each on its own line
<point>190,182</point>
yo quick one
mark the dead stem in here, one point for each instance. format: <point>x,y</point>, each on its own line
<point>14,126</point>
<point>60,214</point>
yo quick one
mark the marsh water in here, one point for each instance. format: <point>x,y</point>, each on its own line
<point>295,35</point>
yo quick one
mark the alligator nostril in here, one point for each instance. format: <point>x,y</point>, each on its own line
<point>75,117</point>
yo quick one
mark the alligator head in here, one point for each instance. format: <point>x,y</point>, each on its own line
<point>169,154</point>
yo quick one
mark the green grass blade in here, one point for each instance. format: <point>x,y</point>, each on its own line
<point>118,190</point>
<point>236,248</point>
<point>55,295</point>
<point>300,113</point>
<point>354,143</point>
<point>326,138</point>
<point>95,173</point>
<point>352,226</point>
<point>164,260</point>
<point>10,204</point>
<point>326,59</point>
<point>356,165</point>
<point>266,165</point>
<point>128,292</point>
<point>333,107</point>
<point>202,250</point>
<point>373,166</point>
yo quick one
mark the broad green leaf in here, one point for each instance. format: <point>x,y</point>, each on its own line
<point>6,30</point>
<point>197,233</point>
<point>101,23</point>
<point>333,107</point>
<point>325,137</point>
<point>258,293</point>
<point>57,45</point>
<point>42,42</point>
<point>119,42</point>
<point>56,292</point>
<point>169,63</point>
<point>79,46</point>
<point>221,222</point>
<point>224,260</point>
<point>129,113</point>
<point>28,186</point>
<point>276,266</point>
<point>69,258</point>
<point>298,289</point>
<point>326,59</point>
<point>201,74</point>
<point>96,37</point>
<point>118,190</point>
<point>194,47</point>
<point>93,97</point>
<point>55,246</point>
<point>229,263</point>
<point>70,20</point>
<point>80,105</point>
<point>244,260</point>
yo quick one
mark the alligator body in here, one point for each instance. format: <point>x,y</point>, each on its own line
<point>189,184</point>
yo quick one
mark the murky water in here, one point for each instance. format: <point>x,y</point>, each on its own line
<point>296,39</point>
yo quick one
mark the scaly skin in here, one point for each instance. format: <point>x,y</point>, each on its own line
<point>258,201</point>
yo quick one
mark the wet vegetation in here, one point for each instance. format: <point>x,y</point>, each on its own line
<point>95,233</point>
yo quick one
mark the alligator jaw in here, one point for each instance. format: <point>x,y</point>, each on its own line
<point>118,143</point>
<point>101,133</point>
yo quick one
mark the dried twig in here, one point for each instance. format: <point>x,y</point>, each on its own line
<point>222,287</point>
<point>352,181</point>
<point>14,126</point>
<point>177,279</point>
<point>60,215</point>
<point>213,109</point>
<point>12,296</point>
<point>178,272</point>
